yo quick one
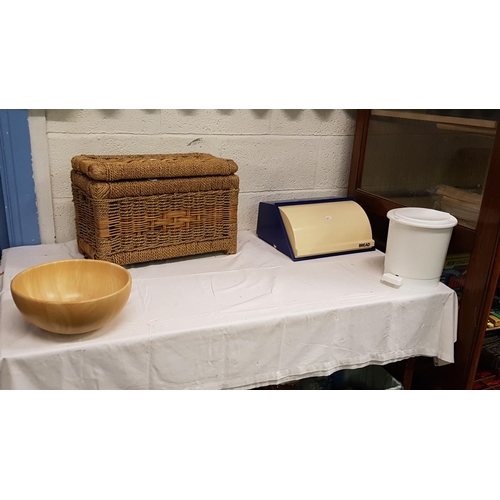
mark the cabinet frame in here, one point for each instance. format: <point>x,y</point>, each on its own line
<point>483,244</point>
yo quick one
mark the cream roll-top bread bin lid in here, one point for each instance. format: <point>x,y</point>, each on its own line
<point>315,228</point>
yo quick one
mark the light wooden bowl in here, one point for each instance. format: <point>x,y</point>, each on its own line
<point>71,296</point>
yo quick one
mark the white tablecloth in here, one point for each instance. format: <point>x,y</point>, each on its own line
<point>229,321</point>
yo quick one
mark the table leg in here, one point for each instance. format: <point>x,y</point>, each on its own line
<point>408,373</point>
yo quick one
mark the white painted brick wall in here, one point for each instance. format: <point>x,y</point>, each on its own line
<point>312,122</point>
<point>216,121</point>
<point>281,154</point>
<point>103,121</point>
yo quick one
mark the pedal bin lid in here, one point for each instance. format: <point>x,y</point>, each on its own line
<point>422,217</point>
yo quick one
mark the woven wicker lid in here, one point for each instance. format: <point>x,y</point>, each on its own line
<point>122,167</point>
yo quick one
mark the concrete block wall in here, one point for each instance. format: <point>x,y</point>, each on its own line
<point>281,154</point>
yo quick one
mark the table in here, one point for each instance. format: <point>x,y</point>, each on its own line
<point>238,321</point>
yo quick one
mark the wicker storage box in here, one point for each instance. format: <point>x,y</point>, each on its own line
<point>141,208</point>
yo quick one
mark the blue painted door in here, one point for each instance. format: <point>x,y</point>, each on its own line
<point>4,237</point>
<point>18,213</point>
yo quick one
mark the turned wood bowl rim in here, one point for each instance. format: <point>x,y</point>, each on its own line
<point>70,302</point>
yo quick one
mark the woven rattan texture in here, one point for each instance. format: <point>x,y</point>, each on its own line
<point>131,229</point>
<point>123,167</point>
<point>120,189</point>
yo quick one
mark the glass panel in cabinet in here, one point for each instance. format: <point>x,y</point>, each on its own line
<point>433,159</point>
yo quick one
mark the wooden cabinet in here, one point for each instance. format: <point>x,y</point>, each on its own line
<point>448,160</point>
